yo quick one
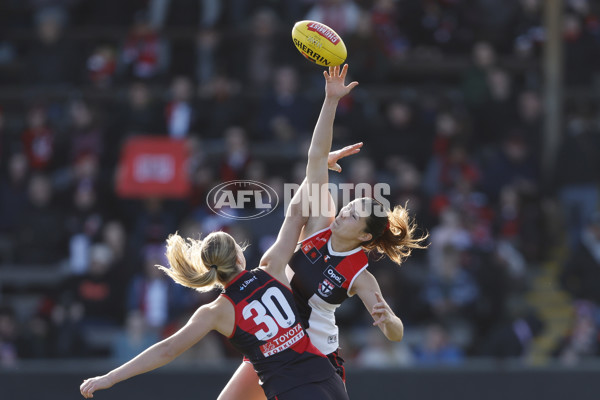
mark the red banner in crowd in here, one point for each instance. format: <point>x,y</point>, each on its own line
<point>153,166</point>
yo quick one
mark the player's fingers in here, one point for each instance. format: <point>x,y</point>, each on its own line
<point>379,320</point>
<point>352,85</point>
<point>347,152</point>
<point>380,310</point>
<point>355,146</point>
<point>379,297</point>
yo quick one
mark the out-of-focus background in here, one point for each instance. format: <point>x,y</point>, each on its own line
<point>481,114</point>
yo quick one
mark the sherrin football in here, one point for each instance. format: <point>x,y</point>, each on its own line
<point>319,43</point>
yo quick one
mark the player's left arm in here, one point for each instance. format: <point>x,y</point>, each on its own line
<point>295,214</point>
<point>278,255</point>
<point>367,288</point>
<point>217,315</point>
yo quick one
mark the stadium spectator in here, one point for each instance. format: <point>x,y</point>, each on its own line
<point>99,292</point>
<point>41,215</point>
<point>221,105</point>
<point>101,66</point>
<point>437,348</point>
<point>578,174</point>
<point>284,113</point>
<point>13,200</point>
<point>384,16</point>
<point>84,135</point>
<point>496,116</point>
<point>581,271</point>
<point>582,342</point>
<point>237,156</point>
<point>450,291</point>
<point>145,52</point>
<point>369,62</point>
<point>8,338</point>
<point>258,47</point>
<point>474,82</point>
<point>379,353</point>
<point>39,139</point>
<point>139,115</point>
<point>180,111</point>
<point>529,119</point>
<point>51,58</point>
<point>403,135</point>
<point>340,15</point>
<point>134,338</point>
<point>582,56</point>
<point>208,56</point>
<point>513,339</point>
<point>152,294</point>
<point>511,164</point>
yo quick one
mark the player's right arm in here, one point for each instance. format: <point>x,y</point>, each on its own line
<point>317,167</point>
<point>218,315</point>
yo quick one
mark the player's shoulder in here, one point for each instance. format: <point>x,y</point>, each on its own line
<point>320,235</point>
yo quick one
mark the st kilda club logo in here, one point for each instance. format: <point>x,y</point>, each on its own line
<point>325,288</point>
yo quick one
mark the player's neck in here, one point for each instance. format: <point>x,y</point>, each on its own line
<point>341,245</point>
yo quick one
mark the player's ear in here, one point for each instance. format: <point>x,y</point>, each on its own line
<point>365,237</point>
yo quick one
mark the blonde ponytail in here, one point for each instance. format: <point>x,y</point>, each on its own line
<point>202,264</point>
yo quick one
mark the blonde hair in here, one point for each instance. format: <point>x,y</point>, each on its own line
<point>202,264</point>
<point>393,232</point>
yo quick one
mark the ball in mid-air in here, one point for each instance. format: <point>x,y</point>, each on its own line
<point>319,43</point>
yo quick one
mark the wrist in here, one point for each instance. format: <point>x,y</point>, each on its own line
<point>112,377</point>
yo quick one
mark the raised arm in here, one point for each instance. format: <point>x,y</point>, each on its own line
<point>294,215</point>
<point>218,315</point>
<point>277,256</point>
<point>318,153</point>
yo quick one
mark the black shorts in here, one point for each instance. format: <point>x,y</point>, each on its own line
<point>330,389</point>
<point>338,364</point>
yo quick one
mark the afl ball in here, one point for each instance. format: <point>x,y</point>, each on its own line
<point>319,43</point>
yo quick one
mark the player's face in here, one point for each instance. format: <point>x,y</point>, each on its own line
<point>351,222</point>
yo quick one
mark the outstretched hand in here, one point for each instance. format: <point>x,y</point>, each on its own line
<point>337,155</point>
<point>89,386</point>
<point>335,78</point>
<point>381,311</point>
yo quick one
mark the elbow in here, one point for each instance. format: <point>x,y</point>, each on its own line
<point>396,337</point>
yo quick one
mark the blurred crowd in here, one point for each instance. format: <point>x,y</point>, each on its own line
<point>449,108</point>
